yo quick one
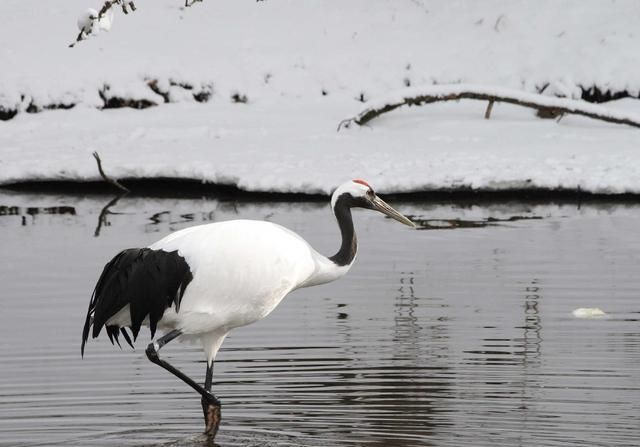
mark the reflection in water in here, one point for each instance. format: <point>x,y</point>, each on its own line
<point>453,338</point>
<point>164,219</point>
<point>34,211</point>
<point>102,217</point>
<point>532,339</point>
<point>531,358</point>
<point>421,379</point>
<point>451,224</point>
<point>406,326</point>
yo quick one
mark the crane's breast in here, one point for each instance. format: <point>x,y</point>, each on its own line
<point>241,269</point>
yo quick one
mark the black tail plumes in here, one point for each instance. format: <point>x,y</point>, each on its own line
<point>149,281</point>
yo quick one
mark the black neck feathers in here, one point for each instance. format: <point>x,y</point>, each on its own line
<point>349,246</point>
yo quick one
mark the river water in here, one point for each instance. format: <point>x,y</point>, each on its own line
<point>457,334</point>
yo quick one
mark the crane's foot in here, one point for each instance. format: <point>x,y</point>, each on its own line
<point>211,409</point>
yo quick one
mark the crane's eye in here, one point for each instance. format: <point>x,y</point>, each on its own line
<point>370,193</point>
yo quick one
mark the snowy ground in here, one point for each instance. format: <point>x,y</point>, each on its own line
<point>302,67</point>
<point>294,49</point>
<point>295,148</point>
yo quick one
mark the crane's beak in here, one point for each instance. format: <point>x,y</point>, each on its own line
<point>385,208</point>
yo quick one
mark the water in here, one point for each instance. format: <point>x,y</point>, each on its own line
<point>457,334</point>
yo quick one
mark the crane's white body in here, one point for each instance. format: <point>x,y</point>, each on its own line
<point>241,269</point>
<point>204,281</point>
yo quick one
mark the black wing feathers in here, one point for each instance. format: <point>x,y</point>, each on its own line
<point>149,281</point>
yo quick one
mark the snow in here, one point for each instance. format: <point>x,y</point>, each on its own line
<point>284,147</point>
<point>297,49</point>
<point>88,22</point>
<point>302,67</point>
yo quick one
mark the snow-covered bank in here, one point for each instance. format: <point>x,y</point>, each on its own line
<point>305,50</point>
<point>250,93</point>
<point>289,148</point>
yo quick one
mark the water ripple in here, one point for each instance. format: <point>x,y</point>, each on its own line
<point>436,338</point>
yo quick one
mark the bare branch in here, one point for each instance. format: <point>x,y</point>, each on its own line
<point>108,4</point>
<point>439,93</point>
<point>89,28</point>
<point>79,37</point>
<point>107,178</point>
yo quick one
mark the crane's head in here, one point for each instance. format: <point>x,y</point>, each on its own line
<point>359,194</point>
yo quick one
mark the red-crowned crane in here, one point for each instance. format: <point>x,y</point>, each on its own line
<point>206,280</point>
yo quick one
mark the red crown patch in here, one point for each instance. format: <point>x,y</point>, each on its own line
<point>362,182</point>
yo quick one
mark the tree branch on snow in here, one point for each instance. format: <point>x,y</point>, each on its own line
<point>440,93</point>
<point>92,21</point>
<point>107,178</point>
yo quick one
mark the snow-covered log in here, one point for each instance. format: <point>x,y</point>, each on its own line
<point>417,96</point>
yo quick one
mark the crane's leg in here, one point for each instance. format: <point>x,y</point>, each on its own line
<point>210,404</point>
<point>210,407</point>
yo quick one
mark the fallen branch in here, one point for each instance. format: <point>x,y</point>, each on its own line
<point>439,93</point>
<point>107,178</point>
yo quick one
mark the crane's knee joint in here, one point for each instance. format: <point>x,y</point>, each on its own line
<point>211,400</point>
<point>152,352</point>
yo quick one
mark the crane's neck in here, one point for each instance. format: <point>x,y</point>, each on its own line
<point>349,245</point>
<point>334,267</point>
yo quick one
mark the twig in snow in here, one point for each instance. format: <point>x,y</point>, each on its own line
<point>346,123</point>
<point>496,27</point>
<point>487,113</point>
<point>107,178</point>
<point>440,93</point>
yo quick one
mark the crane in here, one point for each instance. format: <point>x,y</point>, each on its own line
<point>203,281</point>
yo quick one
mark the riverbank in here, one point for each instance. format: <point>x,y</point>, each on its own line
<point>177,94</point>
<point>294,148</point>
